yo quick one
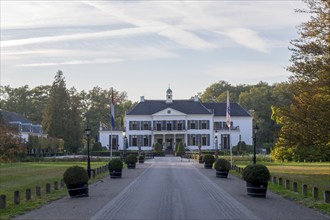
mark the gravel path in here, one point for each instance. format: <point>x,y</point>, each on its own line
<point>166,188</point>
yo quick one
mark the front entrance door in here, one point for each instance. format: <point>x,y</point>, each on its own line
<point>169,143</point>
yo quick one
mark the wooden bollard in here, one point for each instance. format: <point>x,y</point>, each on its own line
<point>315,192</point>
<point>295,187</point>
<point>28,194</point>
<point>2,201</point>
<point>327,196</point>
<point>55,185</point>
<point>304,190</point>
<point>38,191</point>
<point>287,184</point>
<point>62,183</point>
<point>274,179</point>
<point>47,188</point>
<point>17,198</point>
<point>280,181</point>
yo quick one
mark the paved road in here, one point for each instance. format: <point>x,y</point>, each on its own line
<point>167,188</point>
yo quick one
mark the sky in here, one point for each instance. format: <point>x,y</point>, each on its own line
<point>144,47</point>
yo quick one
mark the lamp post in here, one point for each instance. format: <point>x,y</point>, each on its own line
<point>255,129</point>
<point>125,139</point>
<point>88,134</point>
<point>216,144</point>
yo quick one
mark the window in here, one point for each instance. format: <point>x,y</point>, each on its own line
<point>204,140</point>
<point>134,140</point>
<point>145,141</point>
<point>159,127</point>
<point>145,125</point>
<point>192,125</point>
<point>204,125</point>
<point>180,126</point>
<point>169,126</point>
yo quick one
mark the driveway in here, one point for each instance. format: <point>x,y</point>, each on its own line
<point>168,188</point>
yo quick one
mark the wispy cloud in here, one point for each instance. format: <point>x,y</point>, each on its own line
<point>73,62</point>
<point>247,38</point>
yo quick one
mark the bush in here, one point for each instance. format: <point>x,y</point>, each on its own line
<point>256,173</point>
<point>131,158</point>
<point>208,158</point>
<point>115,164</point>
<point>75,175</point>
<point>222,164</point>
<point>180,149</point>
<point>158,147</point>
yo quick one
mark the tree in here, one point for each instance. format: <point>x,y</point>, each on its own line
<point>61,117</point>
<point>305,123</point>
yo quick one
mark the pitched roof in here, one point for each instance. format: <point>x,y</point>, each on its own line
<point>219,109</point>
<point>149,107</point>
<point>12,116</point>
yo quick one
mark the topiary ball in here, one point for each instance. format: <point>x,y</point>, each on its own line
<point>256,173</point>
<point>222,164</point>
<point>115,164</point>
<point>75,175</point>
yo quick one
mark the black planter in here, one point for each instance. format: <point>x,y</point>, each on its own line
<point>208,165</point>
<point>78,190</point>
<point>222,173</point>
<point>141,161</point>
<point>114,174</point>
<point>131,165</point>
<point>200,161</point>
<point>256,189</point>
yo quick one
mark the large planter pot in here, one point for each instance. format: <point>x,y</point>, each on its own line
<point>208,165</point>
<point>201,161</point>
<point>222,173</point>
<point>114,174</point>
<point>78,190</point>
<point>131,165</point>
<point>257,189</point>
<point>141,161</point>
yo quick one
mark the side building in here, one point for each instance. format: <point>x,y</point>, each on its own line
<point>169,122</point>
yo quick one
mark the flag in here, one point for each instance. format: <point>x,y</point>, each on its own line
<point>112,111</point>
<point>228,111</point>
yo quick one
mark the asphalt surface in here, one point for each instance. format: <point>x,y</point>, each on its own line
<point>168,188</point>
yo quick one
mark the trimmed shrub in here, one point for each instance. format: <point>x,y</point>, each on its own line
<point>75,175</point>
<point>130,159</point>
<point>256,173</point>
<point>158,147</point>
<point>208,158</point>
<point>180,149</point>
<point>222,164</point>
<point>115,164</point>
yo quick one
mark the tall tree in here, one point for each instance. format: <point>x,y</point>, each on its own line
<point>60,116</point>
<point>305,123</point>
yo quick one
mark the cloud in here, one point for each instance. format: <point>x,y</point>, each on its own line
<point>73,62</point>
<point>247,38</point>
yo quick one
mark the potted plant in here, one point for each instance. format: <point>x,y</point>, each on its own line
<point>131,160</point>
<point>222,167</point>
<point>115,168</point>
<point>200,159</point>
<point>76,181</point>
<point>208,161</point>
<point>256,177</point>
<point>141,159</point>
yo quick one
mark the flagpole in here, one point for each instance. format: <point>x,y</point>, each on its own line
<point>231,151</point>
<point>228,122</point>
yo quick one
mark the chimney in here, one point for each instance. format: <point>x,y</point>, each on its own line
<point>142,99</point>
<point>196,99</point>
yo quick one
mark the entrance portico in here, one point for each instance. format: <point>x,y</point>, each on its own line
<point>169,140</point>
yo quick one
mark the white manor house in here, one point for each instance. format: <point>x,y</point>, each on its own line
<point>170,121</point>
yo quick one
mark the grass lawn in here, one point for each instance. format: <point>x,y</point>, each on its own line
<point>22,176</point>
<point>312,174</point>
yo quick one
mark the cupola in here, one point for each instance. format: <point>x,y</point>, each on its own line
<point>169,96</point>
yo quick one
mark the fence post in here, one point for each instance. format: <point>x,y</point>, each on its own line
<point>28,194</point>
<point>315,192</point>
<point>287,184</point>
<point>17,197</point>
<point>47,187</point>
<point>327,196</point>
<point>304,190</point>
<point>295,187</point>
<point>38,191</point>
<point>2,201</point>
<point>55,185</point>
<point>280,181</point>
